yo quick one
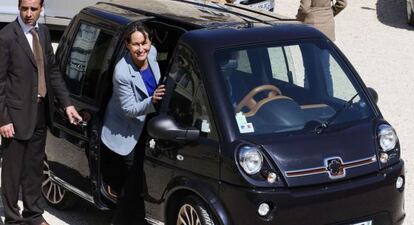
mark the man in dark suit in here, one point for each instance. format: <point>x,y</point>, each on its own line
<point>28,79</point>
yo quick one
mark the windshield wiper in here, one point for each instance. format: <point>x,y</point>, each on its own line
<point>322,127</point>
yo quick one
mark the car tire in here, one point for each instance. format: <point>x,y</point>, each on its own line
<point>193,211</point>
<point>55,195</point>
<point>410,13</point>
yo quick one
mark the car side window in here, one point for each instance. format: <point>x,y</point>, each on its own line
<point>243,64</point>
<point>188,102</point>
<point>287,64</point>
<point>85,61</point>
<point>343,88</point>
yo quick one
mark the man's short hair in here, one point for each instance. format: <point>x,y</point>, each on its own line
<point>41,2</point>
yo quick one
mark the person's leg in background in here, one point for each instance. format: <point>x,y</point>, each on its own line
<point>308,57</point>
<point>326,68</point>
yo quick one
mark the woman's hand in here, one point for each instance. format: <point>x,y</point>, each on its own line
<point>158,94</point>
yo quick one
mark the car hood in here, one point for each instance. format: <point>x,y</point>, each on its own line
<point>324,158</point>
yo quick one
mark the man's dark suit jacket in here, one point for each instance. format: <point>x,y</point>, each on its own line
<point>18,79</point>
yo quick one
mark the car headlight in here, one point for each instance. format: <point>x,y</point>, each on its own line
<point>387,137</point>
<point>250,159</point>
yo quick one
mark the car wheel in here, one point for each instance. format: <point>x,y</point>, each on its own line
<point>55,195</point>
<point>193,211</point>
<point>410,13</point>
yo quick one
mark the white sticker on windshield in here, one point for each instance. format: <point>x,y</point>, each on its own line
<point>244,126</point>
<point>205,126</point>
<point>240,118</point>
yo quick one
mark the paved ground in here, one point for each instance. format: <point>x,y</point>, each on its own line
<point>376,39</point>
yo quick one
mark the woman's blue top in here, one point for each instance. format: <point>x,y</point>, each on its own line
<point>149,80</point>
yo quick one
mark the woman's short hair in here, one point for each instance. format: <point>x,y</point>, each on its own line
<point>136,27</point>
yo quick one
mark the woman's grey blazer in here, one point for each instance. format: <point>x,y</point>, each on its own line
<point>129,104</point>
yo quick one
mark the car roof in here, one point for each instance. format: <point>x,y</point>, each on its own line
<point>197,14</point>
<point>211,25</point>
<point>228,37</point>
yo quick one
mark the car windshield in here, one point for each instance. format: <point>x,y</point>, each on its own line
<point>293,86</point>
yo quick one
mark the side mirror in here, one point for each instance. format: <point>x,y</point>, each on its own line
<point>374,94</point>
<point>165,128</point>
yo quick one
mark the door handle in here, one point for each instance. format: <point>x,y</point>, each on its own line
<point>83,124</point>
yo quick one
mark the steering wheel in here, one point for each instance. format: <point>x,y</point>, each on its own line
<point>249,101</point>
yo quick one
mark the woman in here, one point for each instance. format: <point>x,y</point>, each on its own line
<point>320,14</point>
<point>135,93</point>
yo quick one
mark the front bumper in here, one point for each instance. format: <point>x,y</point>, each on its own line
<point>370,198</point>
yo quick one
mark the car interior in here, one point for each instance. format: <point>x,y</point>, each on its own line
<point>263,92</point>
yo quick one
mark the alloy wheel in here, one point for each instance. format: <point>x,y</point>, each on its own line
<point>53,193</point>
<point>188,216</point>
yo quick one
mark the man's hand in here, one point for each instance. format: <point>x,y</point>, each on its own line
<point>7,130</point>
<point>158,93</point>
<point>73,115</point>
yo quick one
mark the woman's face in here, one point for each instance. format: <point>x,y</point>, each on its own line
<point>139,47</point>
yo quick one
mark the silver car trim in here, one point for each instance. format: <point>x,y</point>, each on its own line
<point>72,189</point>
<point>324,169</point>
<point>89,198</point>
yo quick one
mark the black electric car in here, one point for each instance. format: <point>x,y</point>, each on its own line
<point>265,121</point>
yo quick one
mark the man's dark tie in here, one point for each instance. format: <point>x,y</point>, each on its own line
<point>38,54</point>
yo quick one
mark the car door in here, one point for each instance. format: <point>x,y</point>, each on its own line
<point>167,162</point>
<point>85,62</point>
